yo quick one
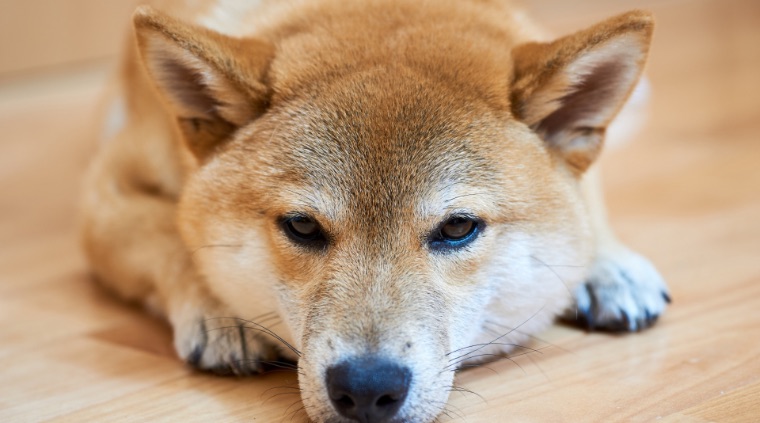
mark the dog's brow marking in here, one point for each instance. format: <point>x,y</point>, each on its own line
<point>308,202</point>
<point>449,200</point>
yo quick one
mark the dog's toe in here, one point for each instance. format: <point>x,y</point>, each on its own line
<point>623,292</point>
<point>222,346</point>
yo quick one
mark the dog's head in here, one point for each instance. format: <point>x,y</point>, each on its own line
<point>408,200</point>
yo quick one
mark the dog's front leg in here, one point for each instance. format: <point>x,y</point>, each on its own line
<point>623,290</point>
<point>135,250</point>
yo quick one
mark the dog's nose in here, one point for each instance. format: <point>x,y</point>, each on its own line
<point>368,389</point>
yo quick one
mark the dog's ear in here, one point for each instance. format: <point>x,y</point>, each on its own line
<point>570,89</point>
<point>213,83</point>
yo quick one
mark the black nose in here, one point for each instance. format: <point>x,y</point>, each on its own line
<point>368,389</point>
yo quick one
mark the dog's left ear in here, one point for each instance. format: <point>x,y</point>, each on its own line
<point>570,89</point>
<point>213,83</point>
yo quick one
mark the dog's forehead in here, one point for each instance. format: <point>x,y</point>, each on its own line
<point>380,144</point>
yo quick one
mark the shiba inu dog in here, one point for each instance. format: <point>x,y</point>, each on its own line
<point>366,187</point>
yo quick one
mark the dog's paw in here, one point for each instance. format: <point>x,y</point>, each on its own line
<point>623,292</point>
<point>220,344</point>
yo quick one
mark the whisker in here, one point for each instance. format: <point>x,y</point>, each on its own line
<point>286,413</point>
<point>557,275</point>
<point>260,328</point>
<point>278,394</point>
<point>509,357</point>
<point>446,412</point>
<point>299,410</point>
<point>536,338</point>
<point>473,366</point>
<point>462,390</point>
<point>292,386</point>
<point>448,409</point>
<point>502,336</point>
<point>265,331</point>
<point>494,343</point>
<point>273,334</point>
<point>281,364</point>
<point>260,318</point>
<point>474,357</point>
<point>293,389</point>
<point>540,369</point>
<point>482,365</point>
<point>277,369</point>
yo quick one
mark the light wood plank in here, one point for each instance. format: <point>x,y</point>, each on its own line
<point>686,193</point>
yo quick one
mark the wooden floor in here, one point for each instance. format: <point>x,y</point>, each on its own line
<point>686,193</point>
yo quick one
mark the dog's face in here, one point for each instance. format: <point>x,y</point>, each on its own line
<point>386,225</point>
<point>400,226</point>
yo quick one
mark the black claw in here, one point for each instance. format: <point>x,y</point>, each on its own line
<point>240,367</point>
<point>643,321</point>
<point>582,320</point>
<point>591,312</point>
<point>666,297</point>
<point>194,359</point>
<point>243,343</point>
<point>586,319</point>
<point>649,320</point>
<point>235,364</point>
<point>627,321</point>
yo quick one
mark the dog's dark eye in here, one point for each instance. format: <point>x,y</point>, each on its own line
<point>457,228</point>
<point>304,230</point>
<point>455,232</point>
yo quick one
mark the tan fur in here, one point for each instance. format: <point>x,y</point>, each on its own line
<point>379,119</point>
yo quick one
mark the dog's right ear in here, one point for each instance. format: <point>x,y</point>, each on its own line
<point>570,89</point>
<point>213,83</point>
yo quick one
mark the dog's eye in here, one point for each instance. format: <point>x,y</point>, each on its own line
<point>455,232</point>
<point>304,230</point>
<point>457,228</point>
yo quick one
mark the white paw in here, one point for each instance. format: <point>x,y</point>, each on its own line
<point>221,344</point>
<point>623,292</point>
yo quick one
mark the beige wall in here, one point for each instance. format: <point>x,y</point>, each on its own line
<point>41,34</point>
